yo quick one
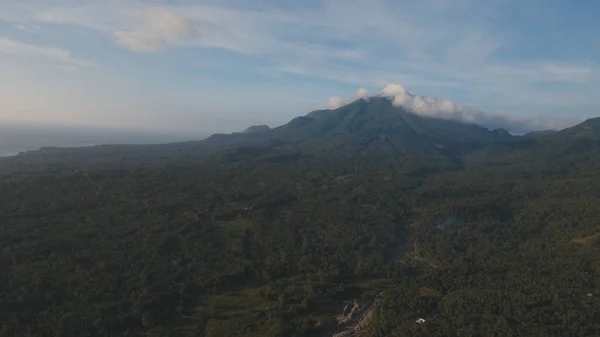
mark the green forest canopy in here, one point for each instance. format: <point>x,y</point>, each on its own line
<point>177,240</point>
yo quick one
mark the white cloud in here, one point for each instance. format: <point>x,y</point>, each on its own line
<point>28,28</point>
<point>139,41</point>
<point>429,106</point>
<point>473,48</point>
<point>567,73</point>
<point>394,89</point>
<point>335,102</point>
<point>362,93</point>
<point>12,47</point>
<point>446,109</point>
<point>159,27</point>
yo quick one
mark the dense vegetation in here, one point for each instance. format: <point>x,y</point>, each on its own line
<point>178,240</point>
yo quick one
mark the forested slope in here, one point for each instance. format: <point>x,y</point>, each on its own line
<point>275,240</point>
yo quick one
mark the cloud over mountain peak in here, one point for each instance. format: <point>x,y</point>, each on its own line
<point>446,109</point>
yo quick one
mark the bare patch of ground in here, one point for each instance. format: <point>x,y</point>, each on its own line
<point>585,240</point>
<point>428,292</point>
<point>355,318</point>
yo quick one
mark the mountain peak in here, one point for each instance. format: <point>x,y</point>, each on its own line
<point>395,119</point>
<point>257,129</point>
<point>442,108</point>
<point>373,124</point>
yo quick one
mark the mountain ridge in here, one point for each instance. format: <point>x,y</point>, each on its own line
<point>257,129</point>
<point>373,128</point>
<point>352,118</point>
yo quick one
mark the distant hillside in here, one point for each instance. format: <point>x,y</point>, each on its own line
<point>364,116</point>
<point>257,129</point>
<point>370,127</point>
<point>579,145</point>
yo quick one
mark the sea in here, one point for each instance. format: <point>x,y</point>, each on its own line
<point>16,138</point>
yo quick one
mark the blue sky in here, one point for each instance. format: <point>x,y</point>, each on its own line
<point>220,65</point>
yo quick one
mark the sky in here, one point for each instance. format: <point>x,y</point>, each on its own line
<point>221,65</point>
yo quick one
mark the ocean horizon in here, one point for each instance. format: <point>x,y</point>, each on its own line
<point>15,139</point>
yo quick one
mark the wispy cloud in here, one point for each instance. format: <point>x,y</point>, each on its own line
<point>336,101</point>
<point>372,39</point>
<point>28,28</point>
<point>468,48</point>
<point>16,48</point>
<point>567,73</point>
<point>158,28</point>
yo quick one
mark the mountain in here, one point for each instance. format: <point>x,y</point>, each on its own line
<point>257,129</point>
<point>383,130</point>
<point>356,221</point>
<point>546,150</point>
<point>376,129</point>
<point>589,129</point>
<point>366,125</point>
<point>540,133</point>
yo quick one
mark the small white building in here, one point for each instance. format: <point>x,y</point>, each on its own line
<point>420,321</point>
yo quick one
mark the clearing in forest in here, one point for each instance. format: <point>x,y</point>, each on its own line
<point>586,240</point>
